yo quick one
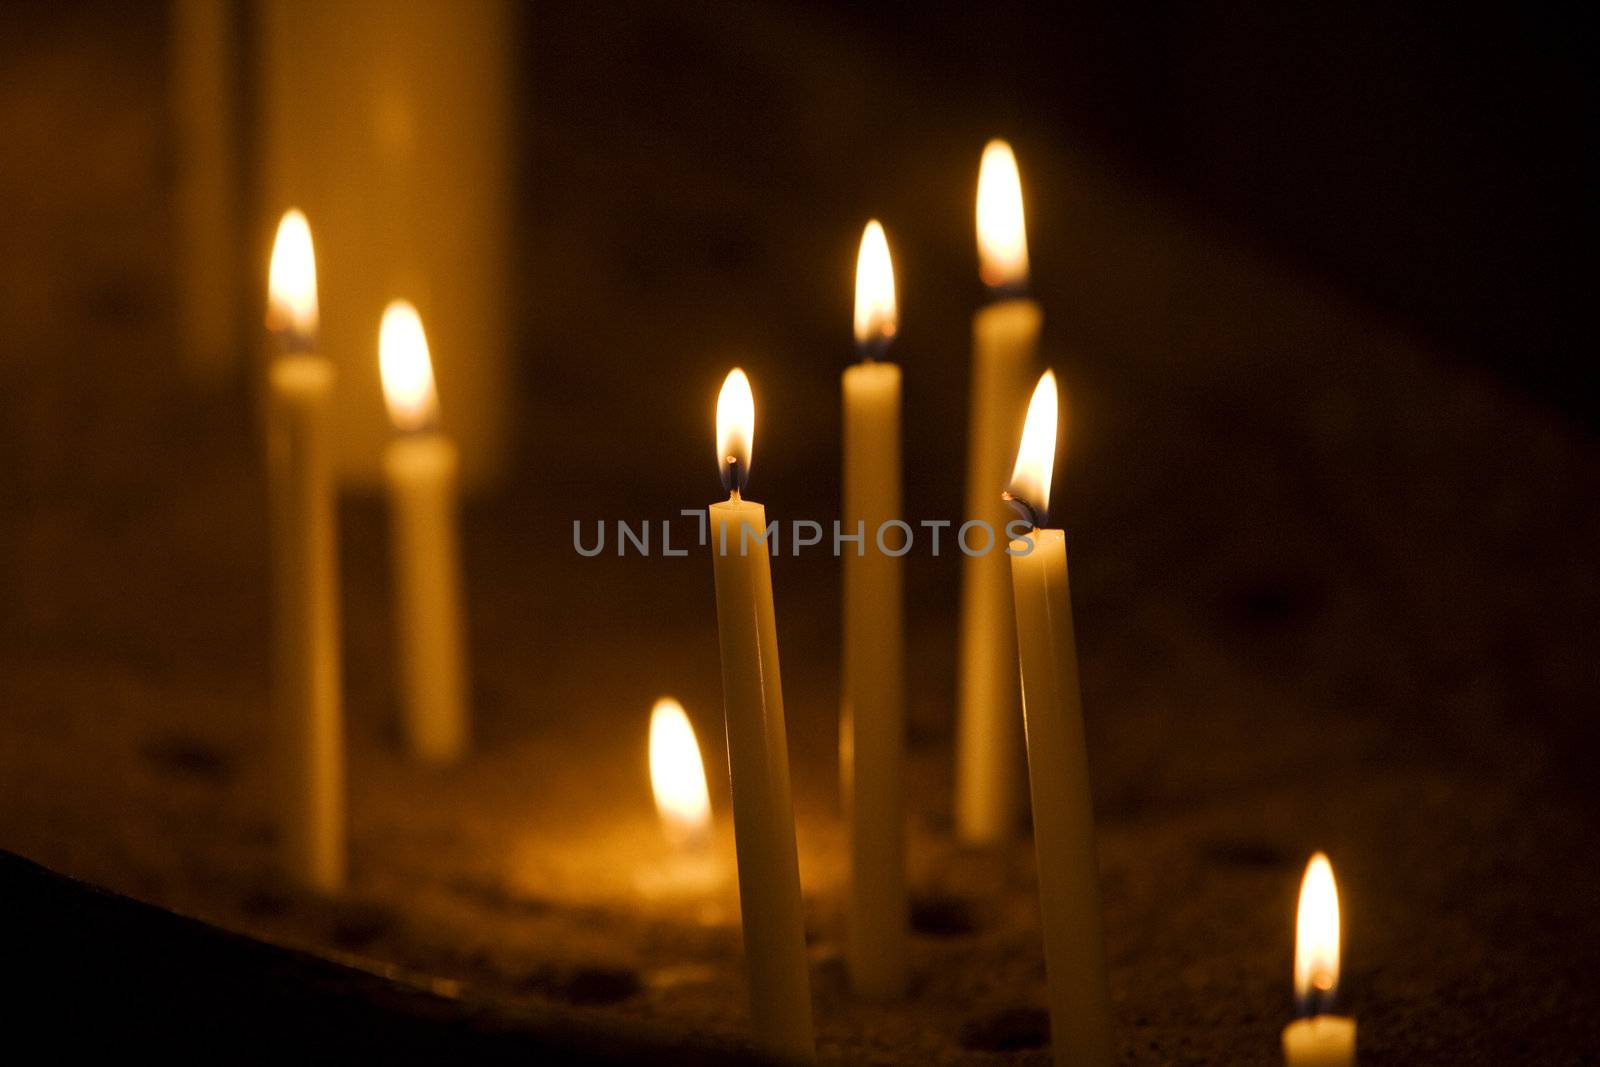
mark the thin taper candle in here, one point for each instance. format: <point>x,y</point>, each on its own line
<point>421,466</point>
<point>771,908</point>
<point>1005,334</point>
<point>872,714</point>
<point>1058,765</point>
<point>307,713</point>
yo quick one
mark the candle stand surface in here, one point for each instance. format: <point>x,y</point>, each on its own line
<point>1325,589</point>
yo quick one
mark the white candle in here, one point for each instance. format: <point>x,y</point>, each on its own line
<point>758,752</point>
<point>1320,1038</point>
<point>873,705</point>
<point>421,467</point>
<point>1005,335</point>
<point>1058,766</point>
<point>308,719</point>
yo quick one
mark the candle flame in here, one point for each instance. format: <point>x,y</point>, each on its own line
<point>1316,943</point>
<point>1036,455</point>
<point>292,282</point>
<point>406,368</point>
<point>877,313</point>
<point>736,430</point>
<point>1002,232</point>
<point>677,774</point>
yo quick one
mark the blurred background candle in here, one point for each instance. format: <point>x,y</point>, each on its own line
<point>308,718</point>
<point>421,468</point>
<point>678,776</point>
<point>1058,764</point>
<point>1005,335</point>
<point>1319,1038</point>
<point>758,750</point>
<point>873,705</point>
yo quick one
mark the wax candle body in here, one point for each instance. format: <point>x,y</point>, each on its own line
<point>988,779</point>
<point>758,761</point>
<point>308,719</point>
<point>1320,1041</point>
<point>421,470</point>
<point>1063,814</point>
<point>873,671</point>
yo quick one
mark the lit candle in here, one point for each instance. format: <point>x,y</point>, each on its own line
<point>1004,337</point>
<point>758,751</point>
<point>692,871</point>
<point>678,776</point>
<point>308,719</point>
<point>873,706</point>
<point>1058,766</point>
<point>1318,1038</point>
<point>421,466</point>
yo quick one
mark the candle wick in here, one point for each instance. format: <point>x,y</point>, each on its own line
<point>296,342</point>
<point>734,475</point>
<point>874,348</point>
<point>1030,514</point>
<point>1017,290</point>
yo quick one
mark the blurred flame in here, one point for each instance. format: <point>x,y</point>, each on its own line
<point>1316,943</point>
<point>877,314</point>
<point>736,430</point>
<point>1002,233</point>
<point>1036,456</point>
<point>406,368</point>
<point>292,281</point>
<point>677,774</point>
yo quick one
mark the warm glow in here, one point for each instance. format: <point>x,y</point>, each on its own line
<point>1036,456</point>
<point>877,315</point>
<point>292,282</point>
<point>406,368</point>
<point>736,430</point>
<point>1316,942</point>
<point>677,774</point>
<point>1002,234</point>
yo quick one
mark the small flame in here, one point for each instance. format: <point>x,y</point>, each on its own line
<point>406,368</point>
<point>1036,456</point>
<point>877,313</point>
<point>1002,233</point>
<point>736,430</point>
<point>292,282</point>
<point>1316,943</point>
<point>677,774</point>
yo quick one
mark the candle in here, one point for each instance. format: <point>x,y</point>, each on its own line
<point>421,466</point>
<point>1319,1038</point>
<point>1058,767</point>
<point>758,752</point>
<point>873,705</point>
<point>692,871</point>
<point>678,776</point>
<point>308,720</point>
<point>1004,337</point>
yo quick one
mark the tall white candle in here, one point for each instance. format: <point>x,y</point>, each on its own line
<point>1005,335</point>
<point>421,467</point>
<point>1058,766</point>
<point>1320,1038</point>
<point>308,718</point>
<point>758,751</point>
<point>873,705</point>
